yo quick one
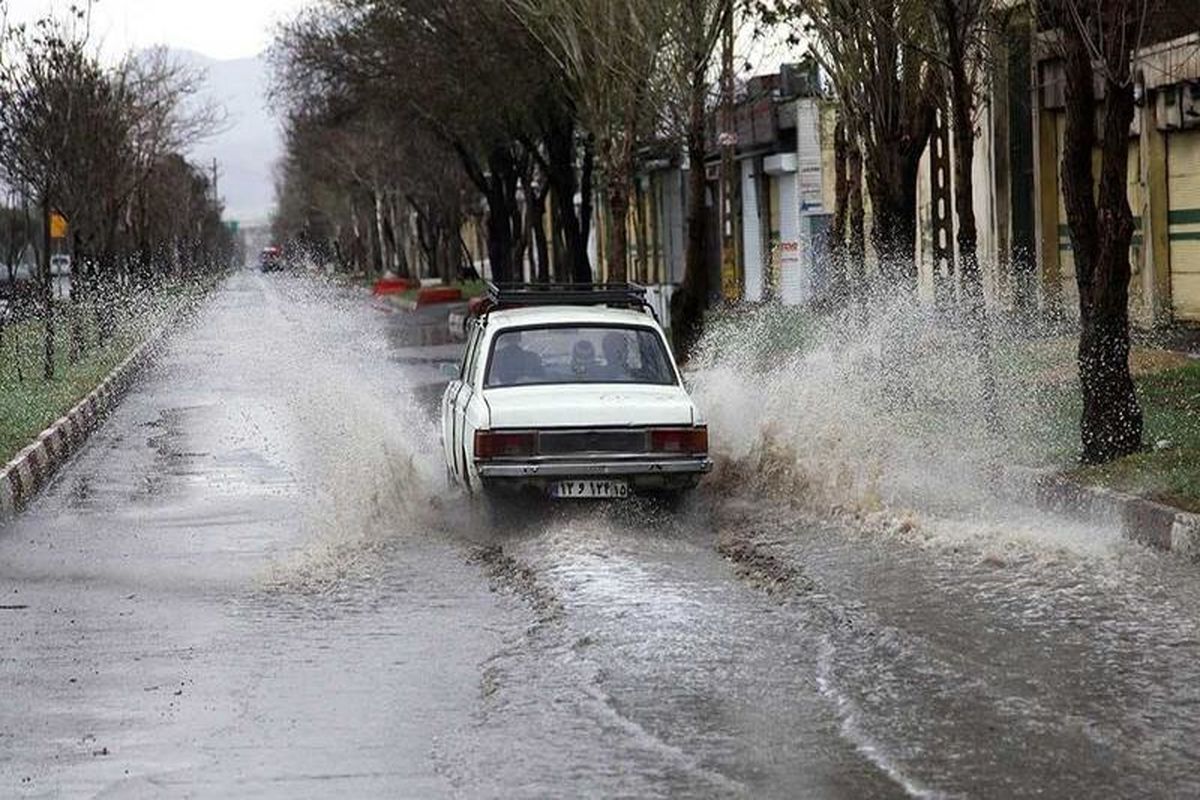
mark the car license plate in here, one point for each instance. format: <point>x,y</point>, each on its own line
<point>590,489</point>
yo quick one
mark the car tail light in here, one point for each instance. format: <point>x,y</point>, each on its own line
<point>690,441</point>
<point>493,444</point>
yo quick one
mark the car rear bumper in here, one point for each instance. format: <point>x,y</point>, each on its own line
<point>641,473</point>
<point>596,468</point>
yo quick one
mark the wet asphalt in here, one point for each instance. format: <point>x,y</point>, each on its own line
<point>253,582</point>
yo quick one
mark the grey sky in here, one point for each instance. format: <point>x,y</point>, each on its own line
<point>220,29</point>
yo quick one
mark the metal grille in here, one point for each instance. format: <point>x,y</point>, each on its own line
<point>573,442</point>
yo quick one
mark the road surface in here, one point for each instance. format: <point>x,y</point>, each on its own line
<point>253,582</point>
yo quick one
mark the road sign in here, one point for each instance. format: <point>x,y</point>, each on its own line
<point>58,226</point>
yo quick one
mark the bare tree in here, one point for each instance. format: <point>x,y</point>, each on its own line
<point>887,91</point>
<point>45,80</point>
<point>81,139</point>
<point>1098,39</point>
<point>694,28</point>
<point>465,70</point>
<point>607,52</point>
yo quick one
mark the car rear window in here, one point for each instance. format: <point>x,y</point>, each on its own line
<point>580,354</point>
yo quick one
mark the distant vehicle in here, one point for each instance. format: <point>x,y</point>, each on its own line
<point>570,392</point>
<point>270,259</point>
<point>60,265</point>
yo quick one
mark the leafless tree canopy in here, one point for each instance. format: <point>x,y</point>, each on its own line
<point>102,147</point>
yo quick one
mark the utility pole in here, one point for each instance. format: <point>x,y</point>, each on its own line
<point>215,174</point>
<point>731,284</point>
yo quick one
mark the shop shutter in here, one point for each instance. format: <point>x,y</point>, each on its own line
<point>752,226</point>
<point>1183,199</point>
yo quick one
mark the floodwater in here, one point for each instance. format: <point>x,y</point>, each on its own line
<point>253,582</point>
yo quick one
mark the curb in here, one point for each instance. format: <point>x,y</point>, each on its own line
<point>1140,520</point>
<point>31,469</point>
<point>426,298</point>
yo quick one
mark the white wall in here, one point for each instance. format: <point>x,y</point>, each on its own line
<point>752,244</point>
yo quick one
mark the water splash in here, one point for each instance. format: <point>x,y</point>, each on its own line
<point>882,415</point>
<point>371,464</point>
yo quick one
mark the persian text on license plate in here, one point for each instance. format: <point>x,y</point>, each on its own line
<point>589,489</point>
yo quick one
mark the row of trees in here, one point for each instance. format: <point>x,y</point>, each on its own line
<point>894,64</point>
<point>103,148</point>
<point>515,111</point>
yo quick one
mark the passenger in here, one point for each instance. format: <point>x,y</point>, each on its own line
<point>616,357</point>
<point>514,364</point>
<point>583,359</point>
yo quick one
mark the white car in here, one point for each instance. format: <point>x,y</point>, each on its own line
<point>570,392</point>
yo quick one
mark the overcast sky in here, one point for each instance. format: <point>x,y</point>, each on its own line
<point>221,29</point>
<point>225,29</point>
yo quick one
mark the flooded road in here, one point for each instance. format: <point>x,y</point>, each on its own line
<point>252,582</point>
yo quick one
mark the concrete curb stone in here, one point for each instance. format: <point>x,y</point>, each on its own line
<point>32,468</point>
<point>8,498</point>
<point>1140,520</point>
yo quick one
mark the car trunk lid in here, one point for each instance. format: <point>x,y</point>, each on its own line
<point>588,406</point>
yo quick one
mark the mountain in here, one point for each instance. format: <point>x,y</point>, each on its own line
<point>248,144</point>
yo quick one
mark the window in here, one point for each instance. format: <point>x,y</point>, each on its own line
<point>579,354</point>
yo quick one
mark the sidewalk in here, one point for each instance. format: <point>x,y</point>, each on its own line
<point>67,410</point>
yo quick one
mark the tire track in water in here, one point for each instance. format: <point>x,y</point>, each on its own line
<point>552,643</point>
<point>646,651</point>
<point>973,675</point>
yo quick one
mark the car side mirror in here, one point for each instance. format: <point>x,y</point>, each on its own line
<point>449,371</point>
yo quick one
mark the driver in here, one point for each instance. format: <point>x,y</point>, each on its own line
<point>514,363</point>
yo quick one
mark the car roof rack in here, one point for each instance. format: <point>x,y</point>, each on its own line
<point>616,295</point>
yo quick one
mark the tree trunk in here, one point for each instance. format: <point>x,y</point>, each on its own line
<point>962,108</point>
<point>1101,226</point>
<point>397,237</point>
<point>836,241</point>
<point>856,237</point>
<point>76,344</point>
<point>618,252</point>
<point>47,287</point>
<point>537,221</point>
<point>499,238</point>
<point>962,112</point>
<point>503,217</point>
<point>571,225</point>
<point>691,300</point>
<point>357,257</point>
<point>641,257</point>
<point>894,250</point>
<point>581,263</point>
<point>381,234</point>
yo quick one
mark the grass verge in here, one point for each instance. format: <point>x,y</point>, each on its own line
<point>1168,469</point>
<point>1168,387</point>
<point>29,403</point>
